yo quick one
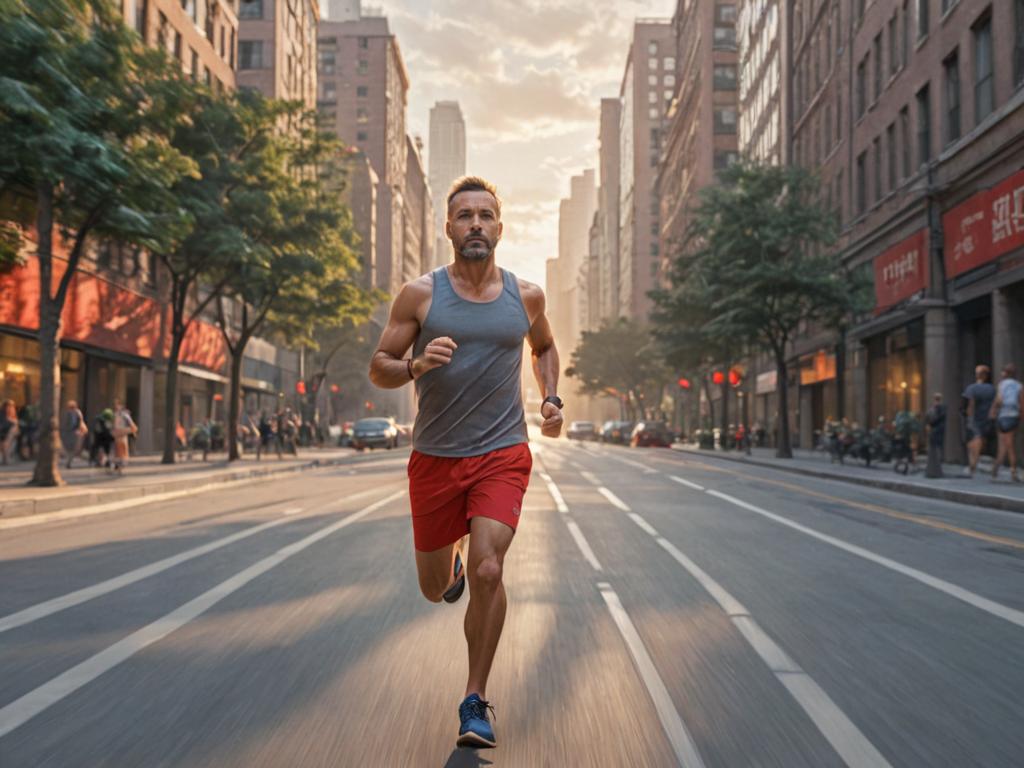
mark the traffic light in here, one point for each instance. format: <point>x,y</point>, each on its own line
<point>684,383</point>
<point>300,387</point>
<point>735,377</point>
<point>335,389</point>
<point>718,378</point>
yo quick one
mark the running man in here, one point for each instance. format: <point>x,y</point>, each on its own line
<point>470,463</point>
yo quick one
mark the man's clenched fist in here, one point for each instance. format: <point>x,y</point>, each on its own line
<point>552,424</point>
<point>437,353</point>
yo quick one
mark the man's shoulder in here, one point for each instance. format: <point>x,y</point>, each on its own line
<point>530,291</point>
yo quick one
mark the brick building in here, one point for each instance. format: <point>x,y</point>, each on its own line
<point>277,48</point>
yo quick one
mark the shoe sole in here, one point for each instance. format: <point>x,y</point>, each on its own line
<point>471,739</point>
<point>455,590</point>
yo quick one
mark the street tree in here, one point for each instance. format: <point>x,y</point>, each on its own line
<point>619,359</point>
<point>85,112</point>
<point>300,270</point>
<point>760,260</point>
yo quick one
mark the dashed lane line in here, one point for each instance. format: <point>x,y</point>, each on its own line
<point>687,483</point>
<point>42,698</point>
<point>555,493</point>
<point>583,544</point>
<point>614,500</point>
<point>846,739</point>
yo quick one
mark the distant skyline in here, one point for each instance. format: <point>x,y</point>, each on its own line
<point>529,77</point>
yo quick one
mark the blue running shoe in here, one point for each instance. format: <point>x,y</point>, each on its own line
<point>454,592</point>
<point>476,730</point>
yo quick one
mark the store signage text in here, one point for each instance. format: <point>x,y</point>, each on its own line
<point>985,226</point>
<point>901,271</point>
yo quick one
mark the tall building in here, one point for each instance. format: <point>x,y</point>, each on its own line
<point>418,215</point>
<point>702,121</point>
<point>277,48</point>
<point>760,38</point>
<point>575,216</point>
<point>201,35</point>
<point>363,90</point>
<point>447,162</point>
<point>607,287</point>
<point>645,95</point>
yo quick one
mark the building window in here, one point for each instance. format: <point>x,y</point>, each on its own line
<point>905,138</point>
<point>652,97</point>
<point>362,91</point>
<point>725,77</point>
<point>878,65</point>
<point>327,62</point>
<point>231,50</point>
<point>862,87</point>
<point>250,54</point>
<point>652,63</point>
<point>362,136</point>
<point>362,116</point>
<point>894,59</point>
<point>670,80</point>
<point>364,42</point>
<point>725,158</point>
<point>330,90</point>
<point>652,80</point>
<point>724,37</point>
<point>862,183</point>
<point>177,47</point>
<point>653,113</point>
<point>725,120</point>
<point>363,67</point>
<point>890,141</point>
<point>922,18</point>
<point>141,14</point>
<point>652,48</point>
<point>951,70</point>
<point>1018,44</point>
<point>877,147</point>
<point>924,126</point>
<point>984,96</point>
<point>668,63</point>
<point>725,14</point>
<point>195,65</point>
<point>250,9</point>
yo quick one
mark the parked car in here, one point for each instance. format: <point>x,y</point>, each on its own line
<point>375,433</point>
<point>616,432</point>
<point>651,434</point>
<point>581,430</point>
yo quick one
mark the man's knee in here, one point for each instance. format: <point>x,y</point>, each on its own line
<point>488,572</point>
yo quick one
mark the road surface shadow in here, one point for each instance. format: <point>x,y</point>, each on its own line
<point>465,757</point>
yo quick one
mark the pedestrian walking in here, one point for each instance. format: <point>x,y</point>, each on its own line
<point>976,406</point>
<point>1006,412</point>
<point>266,435</point>
<point>935,418</point>
<point>73,430</point>
<point>124,427</point>
<point>102,452</point>
<point>8,430</point>
<point>470,463</point>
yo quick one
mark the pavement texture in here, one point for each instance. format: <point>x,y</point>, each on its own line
<point>981,490</point>
<point>665,609</point>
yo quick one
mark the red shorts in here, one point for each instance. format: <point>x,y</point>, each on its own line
<point>447,493</point>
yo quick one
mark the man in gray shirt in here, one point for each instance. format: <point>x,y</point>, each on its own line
<point>977,402</point>
<point>470,463</point>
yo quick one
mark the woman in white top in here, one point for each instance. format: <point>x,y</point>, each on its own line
<point>1006,410</point>
<point>124,427</point>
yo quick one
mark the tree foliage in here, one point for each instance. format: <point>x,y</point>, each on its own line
<point>758,260</point>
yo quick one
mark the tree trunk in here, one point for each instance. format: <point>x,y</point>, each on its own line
<point>234,401</point>
<point>46,472</point>
<point>783,450</point>
<point>178,329</point>
<point>711,403</point>
<point>724,422</point>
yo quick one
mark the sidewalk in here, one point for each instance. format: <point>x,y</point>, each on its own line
<point>980,491</point>
<point>146,478</point>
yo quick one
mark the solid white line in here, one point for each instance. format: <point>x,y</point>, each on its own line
<point>846,739</point>
<point>613,499</point>
<point>584,546</point>
<point>687,483</point>
<point>555,493</point>
<point>676,731</point>
<point>590,477</point>
<point>642,523</point>
<point>1011,615</point>
<point>32,703</point>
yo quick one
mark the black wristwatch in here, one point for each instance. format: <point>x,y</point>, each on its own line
<point>555,400</point>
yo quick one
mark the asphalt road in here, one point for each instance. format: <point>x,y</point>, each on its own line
<point>664,610</point>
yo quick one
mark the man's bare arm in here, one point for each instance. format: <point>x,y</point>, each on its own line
<point>544,357</point>
<point>388,367</point>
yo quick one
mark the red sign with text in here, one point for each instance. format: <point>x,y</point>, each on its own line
<point>901,271</point>
<point>985,226</point>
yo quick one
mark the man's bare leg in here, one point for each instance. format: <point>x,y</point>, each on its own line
<point>488,542</point>
<point>435,570</point>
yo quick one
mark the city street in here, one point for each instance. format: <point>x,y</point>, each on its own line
<point>664,609</point>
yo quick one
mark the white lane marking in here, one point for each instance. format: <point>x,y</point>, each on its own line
<point>687,483</point>
<point>1011,615</point>
<point>583,544</point>
<point>846,739</point>
<point>644,525</point>
<point>676,731</point>
<point>647,470</point>
<point>292,511</point>
<point>590,477</point>
<point>555,493</point>
<point>56,604</point>
<point>613,499</point>
<point>32,703</point>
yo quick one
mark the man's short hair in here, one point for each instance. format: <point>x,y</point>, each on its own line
<point>473,184</point>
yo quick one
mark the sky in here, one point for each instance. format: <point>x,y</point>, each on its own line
<point>529,76</point>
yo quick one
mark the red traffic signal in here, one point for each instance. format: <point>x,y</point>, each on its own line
<point>734,377</point>
<point>718,378</point>
<point>300,387</point>
<point>684,383</point>
<point>335,389</point>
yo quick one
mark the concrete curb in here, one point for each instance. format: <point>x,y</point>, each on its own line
<point>986,500</point>
<point>16,514</point>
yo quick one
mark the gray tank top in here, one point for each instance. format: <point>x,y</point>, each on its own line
<point>474,404</point>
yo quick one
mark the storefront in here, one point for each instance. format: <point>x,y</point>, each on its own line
<point>818,399</point>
